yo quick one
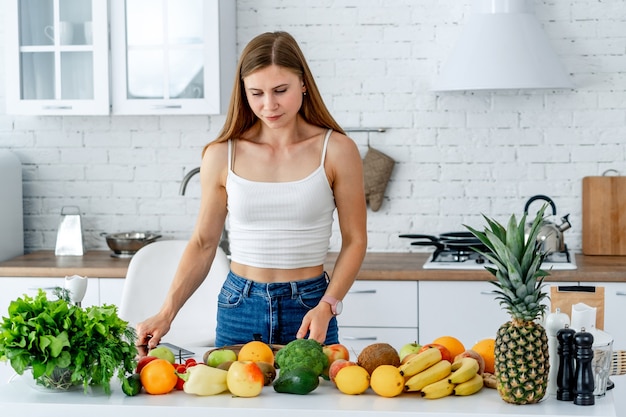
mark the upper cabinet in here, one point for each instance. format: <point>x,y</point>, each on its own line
<point>172,56</point>
<point>57,57</point>
<point>167,56</point>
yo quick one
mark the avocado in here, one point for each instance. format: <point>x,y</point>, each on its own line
<point>296,381</point>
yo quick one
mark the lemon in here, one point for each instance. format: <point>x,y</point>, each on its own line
<point>386,381</point>
<point>352,380</point>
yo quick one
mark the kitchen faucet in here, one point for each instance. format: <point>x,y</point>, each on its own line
<point>183,185</point>
<point>224,244</point>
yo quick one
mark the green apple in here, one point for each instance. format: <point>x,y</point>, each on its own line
<point>218,356</point>
<point>409,348</point>
<point>163,352</point>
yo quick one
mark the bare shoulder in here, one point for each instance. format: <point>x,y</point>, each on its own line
<point>215,159</point>
<point>341,147</point>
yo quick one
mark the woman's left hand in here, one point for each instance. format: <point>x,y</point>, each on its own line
<point>315,322</point>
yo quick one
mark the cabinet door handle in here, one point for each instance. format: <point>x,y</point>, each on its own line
<point>59,107</point>
<point>363,292</point>
<point>360,338</point>
<point>486,292</point>
<point>620,292</point>
<point>167,106</point>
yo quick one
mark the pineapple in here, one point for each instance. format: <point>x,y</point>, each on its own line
<point>521,349</point>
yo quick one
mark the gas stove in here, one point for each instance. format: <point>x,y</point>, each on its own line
<point>471,260</point>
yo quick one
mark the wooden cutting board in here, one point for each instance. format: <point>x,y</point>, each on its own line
<point>604,215</point>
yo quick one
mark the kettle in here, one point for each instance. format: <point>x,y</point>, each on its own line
<point>550,234</point>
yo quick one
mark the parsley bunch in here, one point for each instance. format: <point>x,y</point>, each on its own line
<point>94,343</point>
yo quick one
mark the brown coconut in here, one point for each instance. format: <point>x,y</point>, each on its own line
<point>378,354</point>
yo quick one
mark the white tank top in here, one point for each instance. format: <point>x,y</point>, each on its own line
<point>281,225</point>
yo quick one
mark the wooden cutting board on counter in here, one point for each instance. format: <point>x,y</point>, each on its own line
<point>604,215</point>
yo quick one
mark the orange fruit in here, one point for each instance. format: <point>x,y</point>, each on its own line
<point>256,351</point>
<point>487,348</point>
<point>158,377</point>
<point>454,345</point>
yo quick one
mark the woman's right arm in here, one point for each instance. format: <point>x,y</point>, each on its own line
<point>198,255</point>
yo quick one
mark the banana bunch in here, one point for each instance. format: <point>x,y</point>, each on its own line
<point>438,378</point>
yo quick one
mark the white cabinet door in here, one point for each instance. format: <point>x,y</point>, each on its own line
<point>357,338</point>
<point>111,290</point>
<point>172,57</point>
<point>15,287</point>
<point>379,312</point>
<point>380,304</point>
<point>57,57</point>
<point>466,310</point>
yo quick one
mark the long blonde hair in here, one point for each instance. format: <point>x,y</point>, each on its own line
<point>273,48</point>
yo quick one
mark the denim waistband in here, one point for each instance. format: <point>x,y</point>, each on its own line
<point>294,288</point>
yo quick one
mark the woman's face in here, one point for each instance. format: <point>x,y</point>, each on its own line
<point>274,94</point>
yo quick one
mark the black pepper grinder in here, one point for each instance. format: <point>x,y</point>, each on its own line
<point>585,384</point>
<point>565,376</point>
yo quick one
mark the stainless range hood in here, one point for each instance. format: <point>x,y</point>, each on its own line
<point>502,47</point>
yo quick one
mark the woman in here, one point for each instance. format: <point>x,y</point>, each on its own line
<point>279,168</point>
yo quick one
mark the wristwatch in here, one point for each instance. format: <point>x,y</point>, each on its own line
<point>335,305</point>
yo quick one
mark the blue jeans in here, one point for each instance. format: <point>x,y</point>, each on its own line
<point>271,312</point>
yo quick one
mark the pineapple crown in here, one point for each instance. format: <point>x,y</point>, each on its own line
<point>517,259</point>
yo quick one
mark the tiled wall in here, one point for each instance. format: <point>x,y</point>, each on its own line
<point>458,154</point>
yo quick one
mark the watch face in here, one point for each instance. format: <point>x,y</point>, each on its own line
<point>338,308</point>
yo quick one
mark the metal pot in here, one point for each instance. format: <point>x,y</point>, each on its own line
<point>550,234</point>
<point>126,244</point>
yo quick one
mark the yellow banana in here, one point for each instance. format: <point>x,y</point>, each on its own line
<point>463,370</point>
<point>422,361</point>
<point>436,372</point>
<point>439,389</point>
<point>469,387</point>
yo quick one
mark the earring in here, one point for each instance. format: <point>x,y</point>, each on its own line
<point>304,94</point>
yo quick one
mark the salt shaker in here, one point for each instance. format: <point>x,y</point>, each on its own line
<point>565,374</point>
<point>554,322</point>
<point>585,384</point>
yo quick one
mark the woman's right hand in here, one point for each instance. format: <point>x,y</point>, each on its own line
<point>151,330</point>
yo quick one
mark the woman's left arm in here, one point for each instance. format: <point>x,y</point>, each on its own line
<point>345,170</point>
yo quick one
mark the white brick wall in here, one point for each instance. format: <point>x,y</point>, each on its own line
<point>458,155</point>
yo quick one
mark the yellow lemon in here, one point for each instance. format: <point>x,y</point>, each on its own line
<point>386,381</point>
<point>352,380</point>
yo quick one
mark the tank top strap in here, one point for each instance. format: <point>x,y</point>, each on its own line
<point>230,155</point>
<point>325,145</point>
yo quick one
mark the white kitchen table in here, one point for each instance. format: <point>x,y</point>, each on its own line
<point>19,396</point>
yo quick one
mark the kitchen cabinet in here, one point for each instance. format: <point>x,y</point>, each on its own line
<point>172,56</point>
<point>57,52</point>
<point>379,312</point>
<point>466,310</point>
<point>99,290</point>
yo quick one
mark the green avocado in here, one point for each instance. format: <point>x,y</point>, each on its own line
<point>296,381</point>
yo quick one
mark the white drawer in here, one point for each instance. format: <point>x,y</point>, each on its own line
<point>357,338</point>
<point>380,304</point>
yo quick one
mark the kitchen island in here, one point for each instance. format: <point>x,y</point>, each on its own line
<point>19,395</point>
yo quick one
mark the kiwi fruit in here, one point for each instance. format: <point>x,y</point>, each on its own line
<point>374,355</point>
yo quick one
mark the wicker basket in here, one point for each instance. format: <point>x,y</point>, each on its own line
<point>618,366</point>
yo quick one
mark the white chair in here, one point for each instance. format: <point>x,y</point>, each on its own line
<point>148,279</point>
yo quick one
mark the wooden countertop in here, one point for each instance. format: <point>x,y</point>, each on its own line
<point>94,264</point>
<point>377,266</point>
